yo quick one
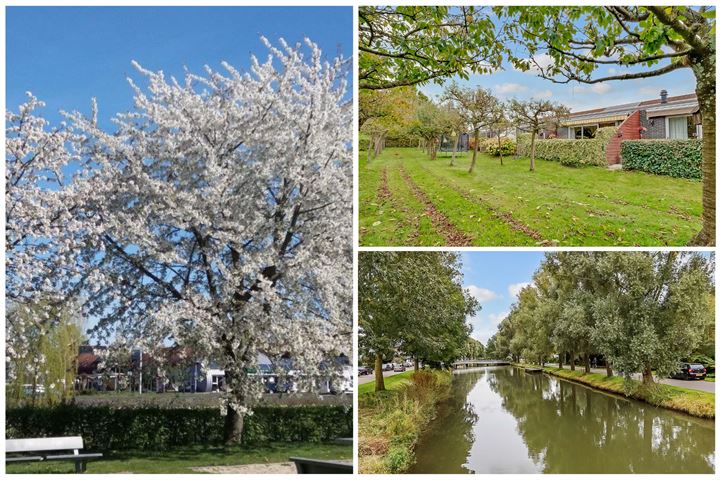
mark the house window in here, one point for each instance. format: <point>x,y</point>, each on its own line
<point>680,128</point>
<point>587,131</point>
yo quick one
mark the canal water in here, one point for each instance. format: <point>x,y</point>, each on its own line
<point>503,420</point>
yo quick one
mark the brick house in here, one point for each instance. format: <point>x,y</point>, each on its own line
<point>662,118</point>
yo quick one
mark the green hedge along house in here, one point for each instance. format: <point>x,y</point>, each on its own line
<point>669,118</point>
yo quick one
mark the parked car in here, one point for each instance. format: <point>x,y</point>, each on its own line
<point>687,371</point>
<point>364,371</point>
<point>388,367</point>
<point>399,368</point>
<point>408,363</point>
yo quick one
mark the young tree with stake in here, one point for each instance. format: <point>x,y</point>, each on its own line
<point>531,116</point>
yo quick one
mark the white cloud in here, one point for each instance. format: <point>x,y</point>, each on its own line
<point>486,327</point>
<point>483,295</point>
<point>649,90</point>
<point>612,71</point>
<point>537,63</point>
<point>510,87</point>
<point>542,94</point>
<point>600,88</point>
<point>515,288</point>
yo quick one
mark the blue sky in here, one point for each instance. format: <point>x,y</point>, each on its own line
<point>510,83</point>
<point>66,55</point>
<point>495,279</point>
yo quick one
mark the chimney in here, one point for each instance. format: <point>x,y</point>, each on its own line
<point>663,96</point>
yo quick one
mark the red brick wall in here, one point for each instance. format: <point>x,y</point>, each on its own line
<point>628,130</point>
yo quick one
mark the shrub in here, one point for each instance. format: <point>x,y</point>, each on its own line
<point>675,158</point>
<point>154,428</point>
<point>571,153</point>
<point>507,147</point>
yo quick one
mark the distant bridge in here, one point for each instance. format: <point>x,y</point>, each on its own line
<point>478,363</point>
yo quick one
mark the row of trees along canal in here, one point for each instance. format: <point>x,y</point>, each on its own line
<point>412,45</point>
<point>414,303</point>
<point>642,311</point>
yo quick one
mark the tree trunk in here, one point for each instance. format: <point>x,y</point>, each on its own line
<point>705,89</point>
<point>235,375</point>
<point>648,377</point>
<point>433,150</point>
<point>500,150</point>
<point>560,359</point>
<point>608,368</point>
<point>475,150</point>
<point>587,363</point>
<point>234,423</point>
<point>379,379</point>
<point>455,147</point>
<point>572,361</point>
<point>532,152</point>
<point>416,364</point>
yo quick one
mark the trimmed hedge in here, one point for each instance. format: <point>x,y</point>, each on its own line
<point>153,428</point>
<point>571,153</point>
<point>675,158</point>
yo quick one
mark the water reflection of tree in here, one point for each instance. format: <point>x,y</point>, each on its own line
<point>573,429</point>
<point>451,436</point>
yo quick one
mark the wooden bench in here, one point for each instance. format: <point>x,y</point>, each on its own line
<point>48,449</point>
<point>308,465</point>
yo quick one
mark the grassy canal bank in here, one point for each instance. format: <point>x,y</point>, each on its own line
<point>693,402</point>
<point>391,421</point>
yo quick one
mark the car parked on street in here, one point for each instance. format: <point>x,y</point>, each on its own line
<point>689,371</point>
<point>364,371</point>
<point>399,367</point>
<point>388,367</point>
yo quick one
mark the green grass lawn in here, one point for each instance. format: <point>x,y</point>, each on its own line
<point>181,460</point>
<point>408,199</point>
<point>391,383</point>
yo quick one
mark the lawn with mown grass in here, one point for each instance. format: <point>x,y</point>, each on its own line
<point>693,402</point>
<point>181,460</point>
<point>408,199</point>
<point>391,383</point>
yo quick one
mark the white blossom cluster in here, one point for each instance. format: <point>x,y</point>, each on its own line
<point>217,214</point>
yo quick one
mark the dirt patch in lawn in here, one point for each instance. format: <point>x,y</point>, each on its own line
<point>383,194</point>
<point>453,236</point>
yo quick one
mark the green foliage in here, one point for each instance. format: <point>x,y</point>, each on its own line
<point>408,45</point>
<point>155,428</point>
<point>571,153</point>
<point>507,147</point>
<point>45,358</point>
<point>393,421</point>
<point>413,302</point>
<point>675,158</point>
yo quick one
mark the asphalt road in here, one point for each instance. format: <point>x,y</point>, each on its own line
<point>691,384</point>
<point>371,378</point>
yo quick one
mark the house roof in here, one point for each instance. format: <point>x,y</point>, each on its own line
<point>677,105</point>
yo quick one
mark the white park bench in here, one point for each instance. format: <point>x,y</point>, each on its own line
<point>48,449</point>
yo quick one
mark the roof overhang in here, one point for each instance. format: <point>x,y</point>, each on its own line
<point>593,120</point>
<point>670,112</point>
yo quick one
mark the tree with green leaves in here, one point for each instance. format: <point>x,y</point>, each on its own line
<point>582,42</point>
<point>498,124</point>
<point>413,45</point>
<point>473,349</point>
<point>431,124</point>
<point>44,367</point>
<point>384,113</point>
<point>477,106</point>
<point>655,309</point>
<point>531,116</point>
<point>412,302</point>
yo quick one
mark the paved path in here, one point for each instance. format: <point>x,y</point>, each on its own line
<point>284,468</point>
<point>691,384</point>
<point>371,378</point>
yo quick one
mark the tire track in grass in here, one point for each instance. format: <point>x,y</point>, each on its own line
<point>506,217</point>
<point>384,194</point>
<point>444,227</point>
